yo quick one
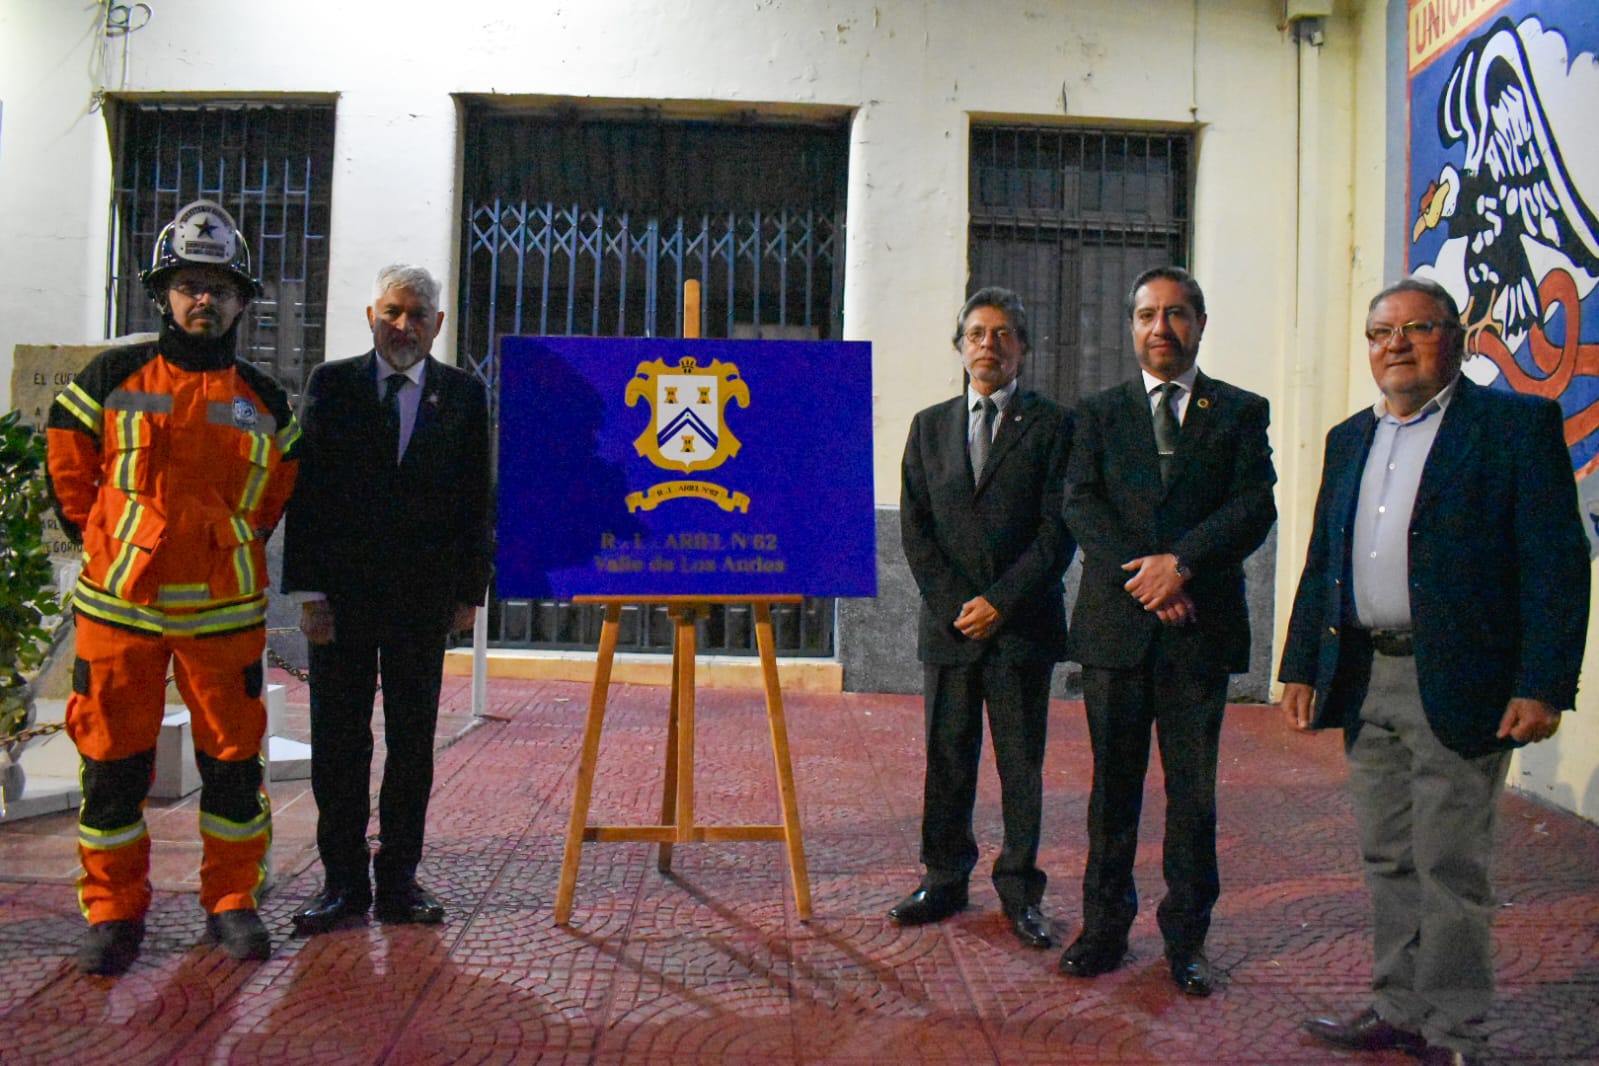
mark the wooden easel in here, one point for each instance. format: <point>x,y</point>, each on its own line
<point>677,825</point>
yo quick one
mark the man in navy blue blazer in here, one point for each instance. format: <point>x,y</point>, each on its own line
<point>1440,622</point>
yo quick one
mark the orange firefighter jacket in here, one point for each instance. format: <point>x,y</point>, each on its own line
<point>172,469</point>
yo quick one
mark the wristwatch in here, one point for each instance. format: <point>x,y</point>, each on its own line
<point>1182,570</point>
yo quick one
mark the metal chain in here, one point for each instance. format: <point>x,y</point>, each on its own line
<point>287,667</point>
<point>31,733</point>
<point>6,760</point>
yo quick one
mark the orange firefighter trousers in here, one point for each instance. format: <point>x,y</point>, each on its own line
<point>114,718</point>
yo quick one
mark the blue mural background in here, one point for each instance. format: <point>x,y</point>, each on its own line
<point>1503,174</point>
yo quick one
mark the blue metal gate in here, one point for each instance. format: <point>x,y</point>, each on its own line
<point>623,223</point>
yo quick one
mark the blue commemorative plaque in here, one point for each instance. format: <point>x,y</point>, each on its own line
<point>647,467</point>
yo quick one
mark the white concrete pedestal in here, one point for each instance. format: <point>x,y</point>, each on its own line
<point>50,765</point>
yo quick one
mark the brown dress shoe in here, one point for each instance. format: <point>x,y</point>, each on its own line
<point>1365,1032</point>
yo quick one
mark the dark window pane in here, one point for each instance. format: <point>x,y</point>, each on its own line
<point>270,167</point>
<point>1067,218</point>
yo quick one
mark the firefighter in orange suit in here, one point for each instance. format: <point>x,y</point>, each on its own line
<point>171,460</point>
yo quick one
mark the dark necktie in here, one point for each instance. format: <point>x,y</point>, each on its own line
<point>391,413</point>
<point>1167,428</point>
<point>983,438</point>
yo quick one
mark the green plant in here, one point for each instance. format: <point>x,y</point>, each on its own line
<point>27,583</point>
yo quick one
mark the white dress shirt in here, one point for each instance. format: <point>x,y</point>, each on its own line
<point>1185,390</point>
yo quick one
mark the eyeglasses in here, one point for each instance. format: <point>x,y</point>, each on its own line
<point>217,290</point>
<point>977,334</point>
<point>1383,336</point>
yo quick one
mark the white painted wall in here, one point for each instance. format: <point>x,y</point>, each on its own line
<point>55,179</point>
<point>913,72</point>
<point>1290,215</point>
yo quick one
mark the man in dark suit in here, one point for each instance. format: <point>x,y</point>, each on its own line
<point>1439,621</point>
<point>389,546</point>
<point>1169,489</point>
<point>980,517</point>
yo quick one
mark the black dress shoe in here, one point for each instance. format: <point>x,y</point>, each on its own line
<point>109,948</point>
<point>241,933</point>
<point>1090,958</point>
<point>927,905</point>
<point>328,908</point>
<point>1365,1032</point>
<point>408,904</point>
<point>1030,926</point>
<point>1192,974</point>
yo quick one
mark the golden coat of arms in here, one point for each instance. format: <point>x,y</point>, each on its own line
<point>686,430</point>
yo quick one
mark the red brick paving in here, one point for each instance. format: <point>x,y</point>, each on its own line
<point>710,964</point>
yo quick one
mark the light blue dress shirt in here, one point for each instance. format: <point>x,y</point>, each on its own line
<point>1381,566</point>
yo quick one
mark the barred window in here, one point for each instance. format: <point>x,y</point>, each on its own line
<point>1068,217</point>
<point>270,166</point>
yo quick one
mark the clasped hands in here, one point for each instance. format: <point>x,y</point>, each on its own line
<point>978,619</point>
<point>1158,586</point>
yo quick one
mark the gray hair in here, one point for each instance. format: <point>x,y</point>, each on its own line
<point>1003,299</point>
<point>407,278</point>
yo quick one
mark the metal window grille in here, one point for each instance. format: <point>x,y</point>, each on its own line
<point>1067,218</point>
<point>271,167</point>
<point>591,227</point>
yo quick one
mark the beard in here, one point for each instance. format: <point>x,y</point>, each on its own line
<point>402,356</point>
<point>202,323</point>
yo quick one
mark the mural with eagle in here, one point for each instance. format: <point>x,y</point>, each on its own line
<point>1506,162</point>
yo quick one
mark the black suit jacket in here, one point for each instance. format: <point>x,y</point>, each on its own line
<point>1498,571</point>
<point>1002,538</point>
<point>1216,511</point>
<point>398,544</point>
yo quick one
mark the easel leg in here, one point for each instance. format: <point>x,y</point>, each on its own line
<point>785,768</point>
<point>684,648</point>
<point>663,860</point>
<point>584,788</point>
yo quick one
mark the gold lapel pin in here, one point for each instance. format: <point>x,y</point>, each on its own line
<point>1204,401</point>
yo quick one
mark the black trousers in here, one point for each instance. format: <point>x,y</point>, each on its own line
<point>344,677</point>
<point>1185,709</point>
<point>1017,697</point>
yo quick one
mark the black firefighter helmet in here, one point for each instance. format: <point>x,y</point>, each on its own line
<point>202,235</point>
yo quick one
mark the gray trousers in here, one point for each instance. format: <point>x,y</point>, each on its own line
<point>1426,817</point>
